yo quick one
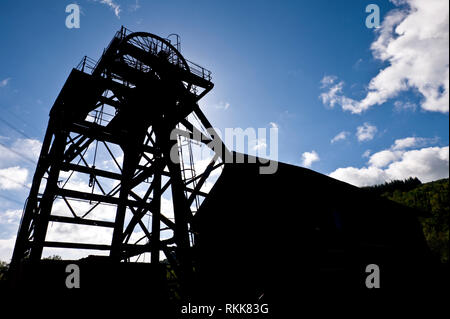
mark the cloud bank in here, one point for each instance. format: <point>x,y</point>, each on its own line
<point>400,162</point>
<point>414,41</point>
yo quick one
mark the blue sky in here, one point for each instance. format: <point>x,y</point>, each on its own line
<point>308,67</point>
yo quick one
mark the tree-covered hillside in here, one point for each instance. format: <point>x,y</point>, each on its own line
<point>432,198</point>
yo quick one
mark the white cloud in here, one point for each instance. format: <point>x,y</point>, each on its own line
<point>11,217</point>
<point>135,6</point>
<point>333,96</point>
<point>28,148</point>
<point>357,63</point>
<point>167,208</point>
<point>427,164</point>
<point>64,232</point>
<point>397,150</point>
<point>114,6</point>
<point>360,176</point>
<point>273,125</point>
<point>414,41</point>
<point>13,177</point>
<point>260,144</point>
<point>383,158</point>
<point>4,82</point>
<point>366,153</point>
<point>222,105</point>
<point>308,158</point>
<point>405,143</point>
<point>410,142</point>
<point>328,80</point>
<point>404,106</point>
<point>366,132</point>
<point>340,137</point>
<point>200,165</point>
<point>6,248</point>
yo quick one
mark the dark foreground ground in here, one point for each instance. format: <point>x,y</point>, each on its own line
<point>296,241</point>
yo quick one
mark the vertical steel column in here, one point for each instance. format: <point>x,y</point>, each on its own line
<point>45,207</point>
<point>22,241</point>
<point>156,225</point>
<point>130,160</point>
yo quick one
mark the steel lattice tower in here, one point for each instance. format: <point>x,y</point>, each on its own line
<point>140,97</point>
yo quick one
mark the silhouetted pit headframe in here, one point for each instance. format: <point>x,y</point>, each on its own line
<point>132,99</point>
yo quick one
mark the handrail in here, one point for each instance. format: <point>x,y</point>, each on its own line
<point>88,64</point>
<point>194,67</point>
<point>199,70</point>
